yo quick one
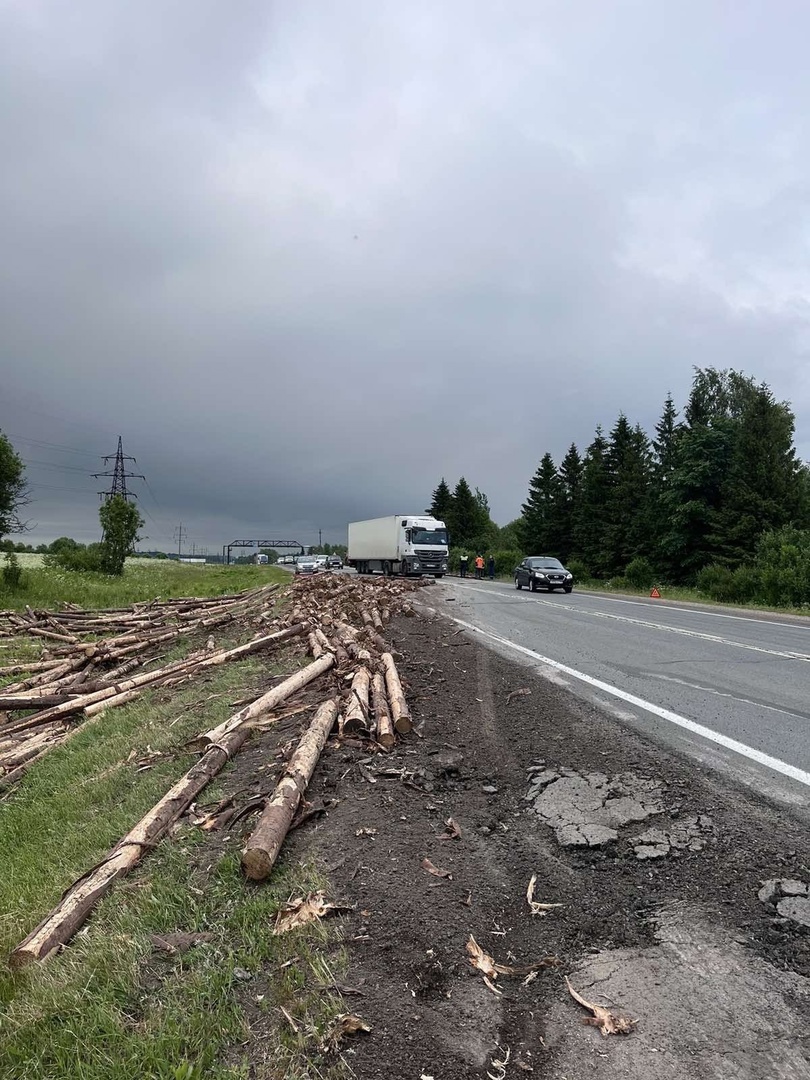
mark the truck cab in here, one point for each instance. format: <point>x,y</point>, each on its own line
<point>423,549</point>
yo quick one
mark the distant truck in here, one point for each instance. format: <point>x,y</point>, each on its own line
<point>404,544</point>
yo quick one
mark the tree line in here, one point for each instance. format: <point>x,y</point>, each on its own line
<point>713,492</point>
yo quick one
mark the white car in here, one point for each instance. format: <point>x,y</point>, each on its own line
<point>307,564</point>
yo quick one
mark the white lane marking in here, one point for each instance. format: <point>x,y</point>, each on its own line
<point>701,611</point>
<point>724,694</point>
<point>684,722</point>
<point>715,638</point>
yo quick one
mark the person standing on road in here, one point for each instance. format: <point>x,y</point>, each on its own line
<point>479,566</point>
<point>462,565</point>
<point>491,567</point>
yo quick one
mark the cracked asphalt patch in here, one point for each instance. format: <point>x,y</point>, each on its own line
<point>686,835</point>
<point>790,898</point>
<point>587,810</point>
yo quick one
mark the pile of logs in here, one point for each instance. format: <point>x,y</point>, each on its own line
<point>97,660</point>
<point>344,619</point>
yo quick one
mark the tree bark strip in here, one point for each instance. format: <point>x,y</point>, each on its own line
<point>264,845</point>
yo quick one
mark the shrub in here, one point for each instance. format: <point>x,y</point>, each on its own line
<point>740,586</point>
<point>12,572</point>
<point>747,585</point>
<point>506,561</point>
<point>578,568</point>
<point>79,559</point>
<point>640,572</point>
<point>783,562</point>
<point>717,582</point>
<point>618,583</point>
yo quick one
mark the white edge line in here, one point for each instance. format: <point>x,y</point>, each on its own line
<point>674,718</point>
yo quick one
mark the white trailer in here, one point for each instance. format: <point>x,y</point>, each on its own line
<point>403,544</point>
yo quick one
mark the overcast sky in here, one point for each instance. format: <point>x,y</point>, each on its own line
<point>309,256</point>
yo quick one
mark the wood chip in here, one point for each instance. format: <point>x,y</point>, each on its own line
<point>609,1023</point>
<point>431,869</point>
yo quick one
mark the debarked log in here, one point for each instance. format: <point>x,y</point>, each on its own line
<point>261,850</point>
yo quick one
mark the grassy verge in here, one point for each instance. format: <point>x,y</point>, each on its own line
<point>141,580</point>
<point>108,1007</point>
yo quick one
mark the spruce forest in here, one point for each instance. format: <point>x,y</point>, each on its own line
<point>716,498</point>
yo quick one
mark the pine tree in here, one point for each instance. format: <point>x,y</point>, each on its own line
<point>762,490</point>
<point>539,523</point>
<point>567,500</point>
<point>465,516</point>
<point>589,523</point>
<point>627,464</point>
<point>442,504</point>
<point>666,431</point>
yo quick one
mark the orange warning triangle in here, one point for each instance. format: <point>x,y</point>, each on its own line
<point>655,594</point>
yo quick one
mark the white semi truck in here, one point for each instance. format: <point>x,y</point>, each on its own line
<point>403,544</point>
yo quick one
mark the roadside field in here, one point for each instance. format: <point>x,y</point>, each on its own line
<point>143,579</point>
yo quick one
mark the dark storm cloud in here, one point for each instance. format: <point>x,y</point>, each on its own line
<point>308,258</point>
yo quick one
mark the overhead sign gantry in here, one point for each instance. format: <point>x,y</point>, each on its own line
<point>226,548</point>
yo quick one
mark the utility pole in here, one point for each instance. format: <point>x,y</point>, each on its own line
<point>179,534</point>
<point>320,545</point>
<point>119,475</point>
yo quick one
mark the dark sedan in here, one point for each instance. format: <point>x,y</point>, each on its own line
<point>542,572</point>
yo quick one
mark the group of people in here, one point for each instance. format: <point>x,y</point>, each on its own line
<point>479,566</point>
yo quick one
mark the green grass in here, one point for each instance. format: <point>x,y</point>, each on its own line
<point>143,579</point>
<point>107,1008</point>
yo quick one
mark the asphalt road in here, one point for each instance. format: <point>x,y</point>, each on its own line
<point>732,690</point>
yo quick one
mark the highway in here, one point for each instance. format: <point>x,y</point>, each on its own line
<point>730,689</point>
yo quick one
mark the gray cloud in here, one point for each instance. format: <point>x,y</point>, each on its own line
<point>308,258</point>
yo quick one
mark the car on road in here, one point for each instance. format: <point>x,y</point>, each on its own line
<point>543,572</point>
<point>307,564</point>
<point>335,562</point>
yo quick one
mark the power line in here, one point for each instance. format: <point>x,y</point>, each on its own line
<point>52,465</point>
<point>57,487</point>
<point>52,446</point>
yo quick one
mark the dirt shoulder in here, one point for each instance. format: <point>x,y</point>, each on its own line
<point>679,941</point>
